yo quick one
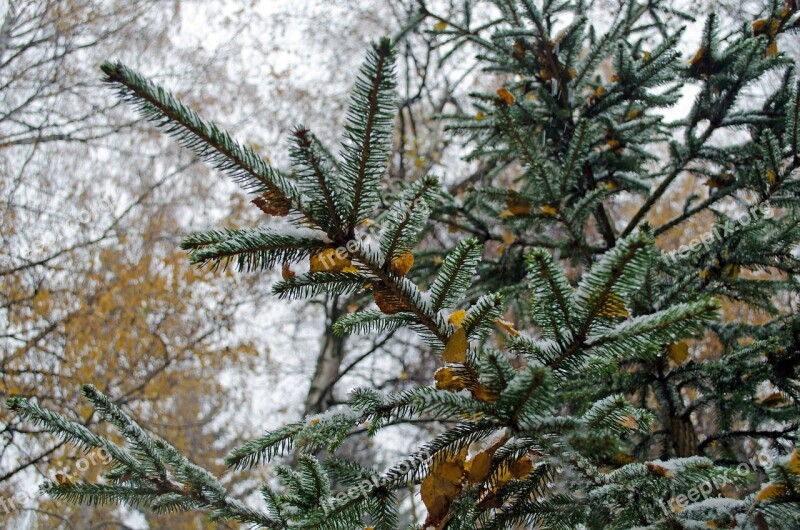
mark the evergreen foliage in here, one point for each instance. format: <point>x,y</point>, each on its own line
<point>597,409</point>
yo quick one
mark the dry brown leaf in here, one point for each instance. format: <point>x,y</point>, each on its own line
<point>656,469</point>
<point>387,301</point>
<point>272,203</point>
<point>286,272</point>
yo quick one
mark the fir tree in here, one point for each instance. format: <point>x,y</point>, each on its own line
<point>621,396</point>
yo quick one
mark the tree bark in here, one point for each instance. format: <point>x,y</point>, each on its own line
<point>320,394</point>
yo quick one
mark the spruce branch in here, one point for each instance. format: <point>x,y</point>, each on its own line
<point>241,163</point>
<point>368,132</point>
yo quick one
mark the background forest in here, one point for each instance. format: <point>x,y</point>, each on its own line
<point>94,203</point>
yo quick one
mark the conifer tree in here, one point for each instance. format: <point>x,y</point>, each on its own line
<point>620,394</point>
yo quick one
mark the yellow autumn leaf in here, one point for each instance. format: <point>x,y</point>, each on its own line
<point>440,26</point>
<point>546,209</point>
<point>678,352</point>
<point>623,459</point>
<point>328,260</point>
<point>720,181</point>
<point>507,326</point>
<point>629,422</point>
<point>447,379</point>
<point>793,464</point>
<point>522,467</point>
<point>613,307</point>
<point>400,265</point>
<point>770,491</point>
<point>479,467</point>
<point>731,270</point>
<point>272,203</point>
<point>771,177</point>
<point>450,470</point>
<point>437,495</point>
<point>676,506</point>
<point>508,237</point>
<point>506,96</point>
<point>483,393</point>
<point>518,206</point>
<point>772,49</point>
<point>455,351</point>
<point>633,114</point>
<point>64,480</point>
<point>457,317</point>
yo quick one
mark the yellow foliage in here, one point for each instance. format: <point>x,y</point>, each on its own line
<point>517,206</point>
<point>507,326</point>
<point>546,209</point>
<point>613,307</point>
<point>629,422</point>
<point>455,351</point>
<point>771,491</point>
<point>457,317</point>
<point>448,379</point>
<point>400,265</point>
<point>506,96</point>
<point>678,352</point>
<point>328,260</point>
